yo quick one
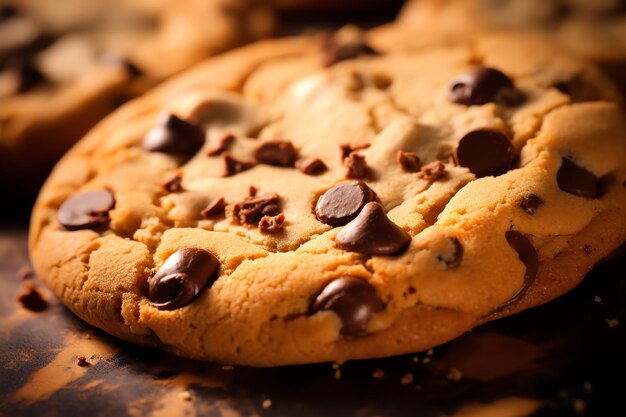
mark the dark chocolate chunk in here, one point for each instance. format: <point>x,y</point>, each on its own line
<point>355,164</point>
<point>372,233</point>
<point>252,209</point>
<point>181,278</point>
<point>577,180</point>
<point>174,184</point>
<point>434,171</point>
<point>334,51</point>
<point>87,210</point>
<point>485,153</point>
<point>311,166</point>
<point>271,224</point>
<point>82,361</point>
<point>353,299</point>
<point>216,208</point>
<point>531,203</point>
<point>222,146</point>
<point>409,161</point>
<point>277,153</point>
<point>529,257</point>
<point>31,298</point>
<point>452,258</point>
<point>233,166</point>
<point>343,202</point>
<point>174,135</point>
<point>483,85</point>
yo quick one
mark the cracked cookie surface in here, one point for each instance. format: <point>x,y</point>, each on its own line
<point>405,238</point>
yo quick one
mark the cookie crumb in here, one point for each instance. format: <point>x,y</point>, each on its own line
<point>612,322</point>
<point>455,375</point>
<point>267,403</point>
<point>407,379</point>
<point>378,373</point>
<point>25,272</point>
<point>434,171</point>
<point>31,298</point>
<point>597,299</point>
<point>82,361</point>
<point>184,395</point>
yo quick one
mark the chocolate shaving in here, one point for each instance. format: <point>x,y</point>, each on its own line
<point>216,208</point>
<point>356,166</point>
<point>252,209</point>
<point>224,143</point>
<point>311,166</point>
<point>174,184</point>
<point>277,153</point>
<point>434,171</point>
<point>409,161</point>
<point>232,166</point>
<point>271,224</point>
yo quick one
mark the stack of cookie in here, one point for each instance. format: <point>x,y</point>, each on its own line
<point>341,197</point>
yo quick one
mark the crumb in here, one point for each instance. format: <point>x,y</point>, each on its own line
<point>426,360</point>
<point>612,322</point>
<point>597,299</point>
<point>266,403</point>
<point>185,396</point>
<point>31,298</point>
<point>228,368</point>
<point>579,406</point>
<point>455,375</point>
<point>407,379</point>
<point>378,373</point>
<point>82,362</point>
<point>25,272</point>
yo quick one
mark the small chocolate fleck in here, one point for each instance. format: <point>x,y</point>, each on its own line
<point>334,51</point>
<point>483,85</point>
<point>82,361</point>
<point>452,259</point>
<point>434,171</point>
<point>233,166</point>
<point>31,298</point>
<point>223,145</point>
<point>174,184</point>
<point>409,161</point>
<point>343,202</point>
<point>346,149</point>
<point>174,135</point>
<point>355,164</point>
<point>311,166</point>
<point>372,233</point>
<point>529,257</point>
<point>588,249</point>
<point>87,210</point>
<point>576,180</point>
<point>252,191</point>
<point>485,153</point>
<point>271,224</point>
<point>252,209</point>
<point>278,153</point>
<point>353,299</point>
<point>181,278</point>
<point>216,208</point>
<point>531,203</point>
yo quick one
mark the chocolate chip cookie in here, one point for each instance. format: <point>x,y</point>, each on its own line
<point>66,64</point>
<point>301,201</point>
<point>592,29</point>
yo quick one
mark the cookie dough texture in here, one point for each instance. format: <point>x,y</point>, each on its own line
<point>592,29</point>
<point>258,311</point>
<point>94,55</point>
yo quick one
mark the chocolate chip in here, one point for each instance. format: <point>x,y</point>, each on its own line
<point>334,51</point>
<point>528,255</point>
<point>372,233</point>
<point>271,224</point>
<point>346,150</point>
<point>355,164</point>
<point>87,210</point>
<point>531,203</point>
<point>409,161</point>
<point>252,209</point>
<point>215,208</point>
<point>224,143</point>
<point>483,85</point>
<point>433,171</point>
<point>31,298</point>
<point>485,153</point>
<point>577,180</point>
<point>277,153</point>
<point>343,202</point>
<point>181,278</point>
<point>233,166</point>
<point>311,166</point>
<point>82,361</point>
<point>452,258</point>
<point>252,191</point>
<point>353,299</point>
<point>174,184</point>
<point>174,135</point>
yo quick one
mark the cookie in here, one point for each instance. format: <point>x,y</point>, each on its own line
<point>66,64</point>
<point>299,201</point>
<point>592,29</point>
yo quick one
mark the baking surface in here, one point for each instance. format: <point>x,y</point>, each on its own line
<point>565,358</point>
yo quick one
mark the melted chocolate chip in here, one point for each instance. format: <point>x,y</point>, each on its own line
<point>577,180</point>
<point>483,85</point>
<point>355,164</point>
<point>528,256</point>
<point>531,203</point>
<point>372,233</point>
<point>173,185</point>
<point>181,278</point>
<point>434,171</point>
<point>31,298</point>
<point>409,161</point>
<point>271,224</point>
<point>485,153</point>
<point>88,210</point>
<point>233,166</point>
<point>222,146</point>
<point>343,202</point>
<point>216,208</point>
<point>353,299</point>
<point>174,135</point>
<point>452,259</point>
<point>333,51</point>
<point>277,153</point>
<point>252,209</point>
<point>311,166</point>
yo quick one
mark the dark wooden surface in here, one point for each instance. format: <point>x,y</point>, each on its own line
<point>561,359</point>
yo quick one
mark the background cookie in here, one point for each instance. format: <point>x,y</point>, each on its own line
<point>286,203</point>
<point>65,64</point>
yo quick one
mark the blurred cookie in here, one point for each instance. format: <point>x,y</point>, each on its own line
<point>300,201</point>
